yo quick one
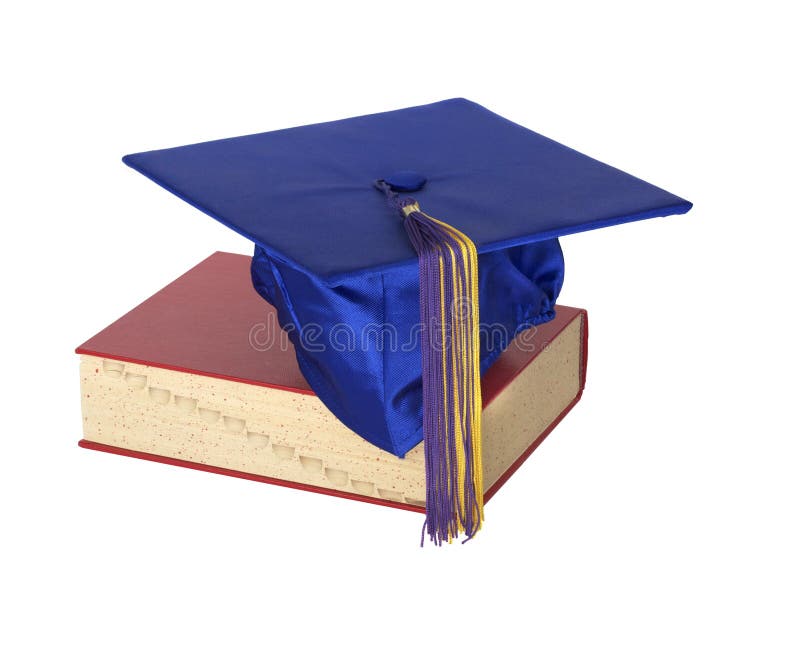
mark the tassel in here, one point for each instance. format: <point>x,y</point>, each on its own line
<point>451,421</point>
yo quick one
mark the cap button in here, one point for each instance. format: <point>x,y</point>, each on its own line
<point>405,181</point>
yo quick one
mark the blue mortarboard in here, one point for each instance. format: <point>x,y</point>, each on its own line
<point>403,251</point>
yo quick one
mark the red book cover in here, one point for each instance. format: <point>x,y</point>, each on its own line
<point>211,322</point>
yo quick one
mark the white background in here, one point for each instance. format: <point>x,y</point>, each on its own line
<point>662,511</point>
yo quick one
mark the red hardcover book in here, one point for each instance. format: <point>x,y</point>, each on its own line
<point>200,375</point>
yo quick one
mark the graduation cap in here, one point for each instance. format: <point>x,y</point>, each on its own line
<point>403,251</point>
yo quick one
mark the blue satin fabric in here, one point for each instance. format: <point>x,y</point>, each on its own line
<point>357,342</point>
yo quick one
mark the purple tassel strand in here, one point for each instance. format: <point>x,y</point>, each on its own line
<point>451,419</point>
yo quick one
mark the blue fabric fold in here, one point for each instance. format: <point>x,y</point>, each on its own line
<point>357,343</point>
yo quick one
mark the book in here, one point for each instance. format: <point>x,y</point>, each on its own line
<point>201,375</point>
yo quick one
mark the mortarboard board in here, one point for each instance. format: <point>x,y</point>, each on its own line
<point>403,251</point>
